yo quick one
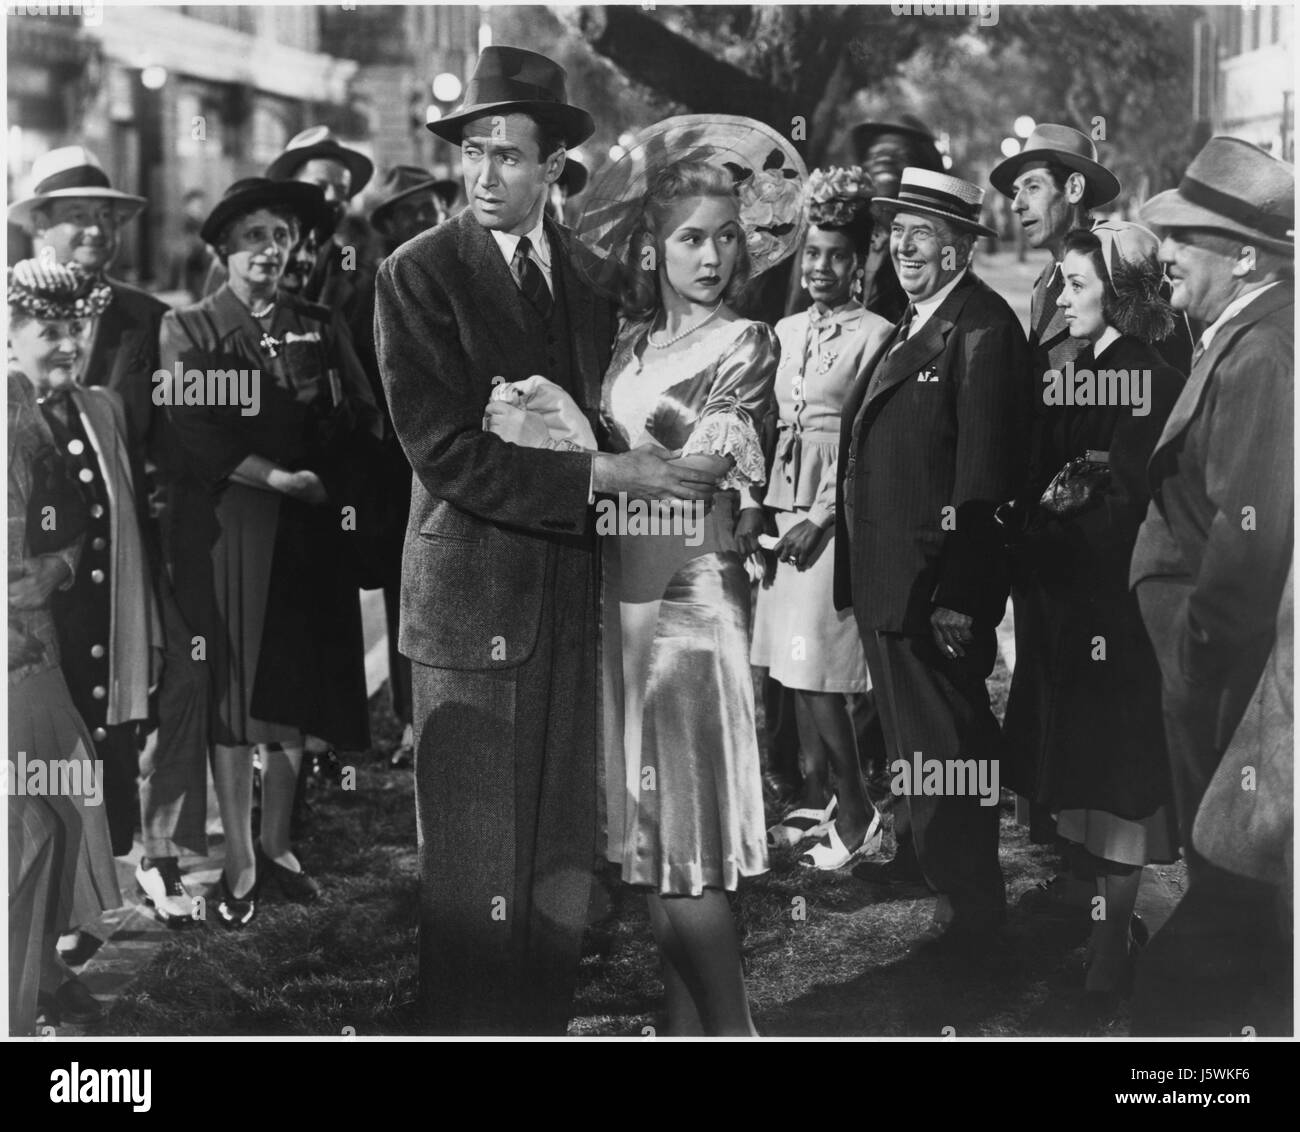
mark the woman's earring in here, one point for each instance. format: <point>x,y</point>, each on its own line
<point>856,287</point>
<point>803,282</point>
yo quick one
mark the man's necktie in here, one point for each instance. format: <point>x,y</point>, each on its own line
<point>1197,353</point>
<point>904,328</point>
<point>530,279</point>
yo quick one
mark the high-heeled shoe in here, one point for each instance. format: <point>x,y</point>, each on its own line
<point>800,824</point>
<point>830,853</point>
<point>237,911</point>
<point>296,886</point>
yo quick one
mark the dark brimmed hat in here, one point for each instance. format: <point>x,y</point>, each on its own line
<point>937,194</point>
<point>319,142</point>
<point>1065,146</point>
<point>510,80</point>
<point>70,172</point>
<point>926,151</point>
<point>573,177</point>
<point>447,192</point>
<point>305,201</point>
<point>1234,187</point>
<point>400,182</point>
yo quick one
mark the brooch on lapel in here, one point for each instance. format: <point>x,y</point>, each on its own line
<point>270,345</point>
<point>827,360</point>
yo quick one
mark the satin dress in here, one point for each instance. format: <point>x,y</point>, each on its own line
<point>684,799</point>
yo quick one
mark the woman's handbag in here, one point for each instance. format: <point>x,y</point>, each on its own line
<point>1078,485</point>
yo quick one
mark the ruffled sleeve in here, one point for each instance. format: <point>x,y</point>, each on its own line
<point>738,401</point>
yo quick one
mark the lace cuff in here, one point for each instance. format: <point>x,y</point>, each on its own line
<point>729,434</point>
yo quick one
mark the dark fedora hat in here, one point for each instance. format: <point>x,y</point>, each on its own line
<point>926,151</point>
<point>510,80</point>
<point>305,201</point>
<point>319,141</point>
<point>573,177</point>
<point>1065,146</point>
<point>400,182</point>
<point>937,194</point>
<point>1234,187</point>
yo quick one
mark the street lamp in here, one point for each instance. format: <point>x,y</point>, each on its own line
<point>1023,126</point>
<point>1010,147</point>
<point>446,87</point>
<point>153,77</point>
<point>432,113</point>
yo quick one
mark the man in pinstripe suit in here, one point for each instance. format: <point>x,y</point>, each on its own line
<point>932,438</point>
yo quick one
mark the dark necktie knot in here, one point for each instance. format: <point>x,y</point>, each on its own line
<point>529,278</point>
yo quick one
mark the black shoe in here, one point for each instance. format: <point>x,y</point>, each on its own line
<point>72,1004</point>
<point>901,871</point>
<point>82,950</point>
<point>298,887</point>
<point>237,911</point>
<point>159,879</point>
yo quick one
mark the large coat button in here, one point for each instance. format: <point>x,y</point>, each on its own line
<point>99,691</point>
<point>86,476</point>
<point>76,447</point>
<point>97,576</point>
<point>99,734</point>
<point>99,544</point>
<point>97,651</point>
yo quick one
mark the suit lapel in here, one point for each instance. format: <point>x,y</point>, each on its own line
<point>108,333</point>
<point>581,308</point>
<point>502,303</point>
<point>1189,399</point>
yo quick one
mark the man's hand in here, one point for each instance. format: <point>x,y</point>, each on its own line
<point>307,487</point>
<point>799,544</point>
<point>952,631</point>
<point>751,523</point>
<point>40,578</point>
<point>515,425</point>
<point>650,472</point>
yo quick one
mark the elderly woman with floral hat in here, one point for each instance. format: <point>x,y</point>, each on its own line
<point>799,636</point>
<point>1084,730</point>
<point>61,868</point>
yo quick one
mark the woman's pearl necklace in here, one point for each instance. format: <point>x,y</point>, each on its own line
<point>264,311</point>
<point>687,331</point>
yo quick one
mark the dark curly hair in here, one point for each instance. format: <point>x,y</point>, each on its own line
<point>1131,301</point>
<point>682,180</point>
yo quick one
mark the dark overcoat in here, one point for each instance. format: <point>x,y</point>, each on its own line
<point>1083,727</point>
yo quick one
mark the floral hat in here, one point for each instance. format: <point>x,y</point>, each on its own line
<point>837,196</point>
<point>46,290</point>
<point>768,171</point>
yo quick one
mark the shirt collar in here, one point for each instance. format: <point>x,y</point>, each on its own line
<point>1108,336</point>
<point>926,307</point>
<point>508,241</point>
<point>1234,308</point>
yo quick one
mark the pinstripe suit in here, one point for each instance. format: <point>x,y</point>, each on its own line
<point>939,423</point>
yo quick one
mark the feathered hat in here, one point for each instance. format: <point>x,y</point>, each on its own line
<point>1140,310</point>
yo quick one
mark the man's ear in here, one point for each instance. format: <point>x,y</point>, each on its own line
<point>555,165</point>
<point>1246,261</point>
<point>1076,188</point>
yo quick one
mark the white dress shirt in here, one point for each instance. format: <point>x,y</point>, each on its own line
<point>926,307</point>
<point>1234,308</point>
<point>539,251</point>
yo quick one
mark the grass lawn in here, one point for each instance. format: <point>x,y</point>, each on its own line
<point>821,958</point>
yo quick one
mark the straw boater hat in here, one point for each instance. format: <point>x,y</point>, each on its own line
<point>69,173</point>
<point>510,80</point>
<point>306,202</point>
<point>1234,187</point>
<point>319,142</point>
<point>768,172</point>
<point>1067,147</point>
<point>937,194</point>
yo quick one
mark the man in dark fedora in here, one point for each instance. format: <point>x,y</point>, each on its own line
<point>74,215</point>
<point>885,148</point>
<point>1211,563</point>
<point>572,180</point>
<point>499,577</point>
<point>932,436</point>
<point>408,201</point>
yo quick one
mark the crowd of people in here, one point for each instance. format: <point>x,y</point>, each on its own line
<point>197,496</point>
